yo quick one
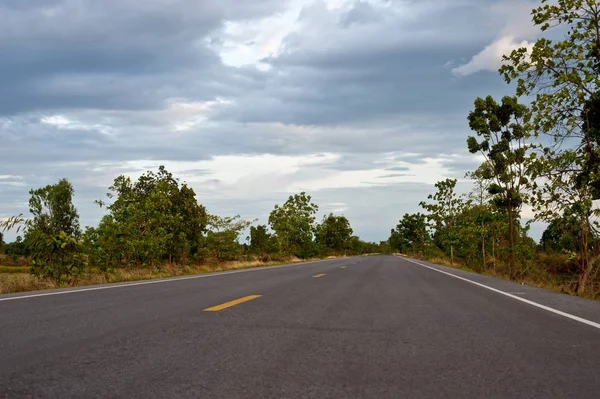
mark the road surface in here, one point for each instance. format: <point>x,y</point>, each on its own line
<point>364,327</point>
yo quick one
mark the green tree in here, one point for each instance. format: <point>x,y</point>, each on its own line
<point>334,232</point>
<point>482,209</point>
<point>51,235</point>
<point>443,213</point>
<point>564,79</point>
<point>261,241</point>
<point>151,221</point>
<point>293,222</point>
<point>53,210</point>
<point>504,132</point>
<point>221,240</point>
<point>410,233</point>
<point>561,235</point>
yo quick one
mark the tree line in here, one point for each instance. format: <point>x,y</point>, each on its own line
<point>156,220</point>
<point>541,148</point>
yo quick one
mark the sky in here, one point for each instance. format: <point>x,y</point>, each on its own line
<point>362,104</point>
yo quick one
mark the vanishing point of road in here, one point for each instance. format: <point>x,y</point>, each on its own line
<point>360,327</point>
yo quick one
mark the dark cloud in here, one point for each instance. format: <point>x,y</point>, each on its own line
<point>114,54</point>
<point>369,84</point>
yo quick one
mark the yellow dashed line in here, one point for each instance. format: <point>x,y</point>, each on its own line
<point>232,303</point>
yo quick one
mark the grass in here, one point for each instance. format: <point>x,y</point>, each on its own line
<point>11,281</point>
<point>14,269</point>
<point>535,278</point>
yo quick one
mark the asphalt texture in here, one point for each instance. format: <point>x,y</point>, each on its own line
<point>383,327</point>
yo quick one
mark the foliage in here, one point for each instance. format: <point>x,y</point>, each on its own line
<point>334,232</point>
<point>150,221</point>
<point>410,233</point>
<point>564,78</point>
<point>293,222</point>
<point>221,241</point>
<point>443,213</point>
<point>261,241</point>
<point>504,131</point>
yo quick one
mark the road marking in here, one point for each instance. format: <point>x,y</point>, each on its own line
<point>155,281</point>
<point>232,303</point>
<point>319,275</point>
<point>343,267</point>
<point>538,305</point>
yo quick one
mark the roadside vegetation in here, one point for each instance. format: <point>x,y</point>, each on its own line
<point>544,155</point>
<point>155,227</point>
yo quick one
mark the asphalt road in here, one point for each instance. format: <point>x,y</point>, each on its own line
<point>367,327</point>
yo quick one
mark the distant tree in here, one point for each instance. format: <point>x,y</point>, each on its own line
<point>261,241</point>
<point>443,213</point>
<point>221,240</point>
<point>561,235</point>
<point>334,232</point>
<point>293,222</point>
<point>410,233</point>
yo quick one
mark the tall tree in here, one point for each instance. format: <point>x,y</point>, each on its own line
<point>504,131</point>
<point>564,78</point>
<point>293,222</point>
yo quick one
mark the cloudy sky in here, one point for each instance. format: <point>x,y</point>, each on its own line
<point>362,104</point>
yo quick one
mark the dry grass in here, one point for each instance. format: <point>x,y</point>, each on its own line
<point>536,278</point>
<point>14,269</point>
<point>20,282</point>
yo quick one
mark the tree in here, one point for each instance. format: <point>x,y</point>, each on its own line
<point>261,241</point>
<point>443,213</point>
<point>481,199</point>
<point>151,220</point>
<point>53,210</point>
<point>560,235</point>
<point>504,132</point>
<point>411,232</point>
<point>293,222</point>
<point>51,235</point>
<point>334,232</point>
<point>221,240</point>
<point>564,78</point>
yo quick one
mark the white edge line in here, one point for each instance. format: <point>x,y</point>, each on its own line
<point>157,281</point>
<point>549,309</point>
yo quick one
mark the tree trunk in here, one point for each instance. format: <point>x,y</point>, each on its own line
<point>494,254</point>
<point>586,264</point>
<point>482,248</point>
<point>511,243</point>
<point>452,255</point>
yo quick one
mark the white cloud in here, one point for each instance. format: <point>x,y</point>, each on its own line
<point>56,120</point>
<point>490,58</point>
